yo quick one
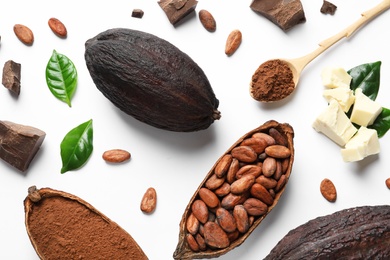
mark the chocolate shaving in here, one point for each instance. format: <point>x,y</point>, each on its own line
<point>137,13</point>
<point>176,10</point>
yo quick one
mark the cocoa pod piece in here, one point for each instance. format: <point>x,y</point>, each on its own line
<point>230,201</point>
<point>51,215</point>
<point>151,80</point>
<point>354,233</point>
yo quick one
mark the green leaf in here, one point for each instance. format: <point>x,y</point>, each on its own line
<point>382,122</point>
<point>61,77</point>
<point>366,77</point>
<point>77,146</point>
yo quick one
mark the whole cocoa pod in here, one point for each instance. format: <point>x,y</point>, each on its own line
<point>151,80</point>
<point>355,233</point>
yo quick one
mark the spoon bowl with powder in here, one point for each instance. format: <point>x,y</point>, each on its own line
<point>276,79</point>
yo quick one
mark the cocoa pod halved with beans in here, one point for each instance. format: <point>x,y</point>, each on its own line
<point>243,212</point>
<point>63,226</point>
<point>151,80</point>
<point>355,233</point>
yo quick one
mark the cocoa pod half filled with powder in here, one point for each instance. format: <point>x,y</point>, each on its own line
<point>151,80</point>
<point>356,233</point>
<point>239,191</point>
<point>63,226</point>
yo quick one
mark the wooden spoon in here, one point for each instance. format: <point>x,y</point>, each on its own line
<point>269,93</point>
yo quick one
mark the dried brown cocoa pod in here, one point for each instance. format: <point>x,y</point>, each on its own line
<point>151,80</point>
<point>355,233</point>
<point>63,226</point>
<point>234,202</point>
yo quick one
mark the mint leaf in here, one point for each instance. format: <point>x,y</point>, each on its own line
<point>366,77</point>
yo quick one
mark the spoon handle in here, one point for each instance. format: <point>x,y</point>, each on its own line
<point>347,32</point>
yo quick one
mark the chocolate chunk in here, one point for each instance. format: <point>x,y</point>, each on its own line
<point>137,13</point>
<point>11,76</point>
<point>284,13</point>
<point>176,10</point>
<point>19,144</point>
<point>328,8</point>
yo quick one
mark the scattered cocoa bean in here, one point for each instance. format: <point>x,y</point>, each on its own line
<point>233,42</point>
<point>328,190</point>
<point>149,201</point>
<point>388,182</point>
<point>207,20</point>
<point>116,156</point>
<point>137,13</point>
<point>24,34</point>
<point>58,27</point>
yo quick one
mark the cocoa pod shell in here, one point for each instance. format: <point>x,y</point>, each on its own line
<point>57,238</point>
<point>152,80</point>
<point>355,233</point>
<point>183,250</point>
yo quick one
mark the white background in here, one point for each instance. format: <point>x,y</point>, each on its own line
<point>175,163</point>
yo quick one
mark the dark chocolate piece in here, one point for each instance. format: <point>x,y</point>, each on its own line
<point>328,8</point>
<point>137,13</point>
<point>19,144</point>
<point>11,76</point>
<point>176,10</point>
<point>284,13</point>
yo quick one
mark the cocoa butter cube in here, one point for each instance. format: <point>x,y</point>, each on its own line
<point>19,144</point>
<point>284,13</point>
<point>11,76</point>
<point>176,10</point>
<point>137,13</point>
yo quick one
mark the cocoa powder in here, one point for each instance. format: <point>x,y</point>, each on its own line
<point>62,226</point>
<point>272,81</point>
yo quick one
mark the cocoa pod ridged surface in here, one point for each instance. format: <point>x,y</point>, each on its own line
<point>235,196</point>
<point>356,233</point>
<point>63,226</point>
<point>152,80</point>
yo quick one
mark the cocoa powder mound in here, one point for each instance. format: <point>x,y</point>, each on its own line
<point>272,81</point>
<point>63,228</point>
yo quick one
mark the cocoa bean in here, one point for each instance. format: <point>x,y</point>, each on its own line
<point>231,200</point>
<point>24,34</point>
<point>116,156</point>
<point>57,27</point>
<point>223,165</point>
<point>281,182</point>
<point>214,236</point>
<point>192,224</point>
<point>254,170</point>
<point>243,184</point>
<point>214,182</point>
<point>207,20</point>
<point>149,201</point>
<point>200,240</point>
<point>241,217</point>
<point>200,211</point>
<point>269,166</point>
<point>255,207</point>
<point>233,169</point>
<point>266,137</point>
<point>260,192</point>
<point>244,154</point>
<point>192,243</point>
<point>268,183</point>
<point>257,144</point>
<point>223,190</point>
<point>278,151</point>
<point>226,220</point>
<point>233,42</point>
<point>328,190</point>
<point>279,138</point>
<point>209,197</point>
